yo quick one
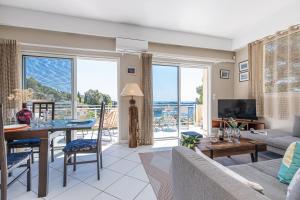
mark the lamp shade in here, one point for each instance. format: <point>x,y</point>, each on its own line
<point>132,89</point>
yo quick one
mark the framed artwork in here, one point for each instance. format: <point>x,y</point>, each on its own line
<point>244,76</point>
<point>224,74</point>
<point>131,70</point>
<point>243,66</point>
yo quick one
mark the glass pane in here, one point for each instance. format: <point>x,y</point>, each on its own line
<point>96,82</point>
<point>51,79</point>
<point>192,100</point>
<point>165,101</point>
<point>294,56</point>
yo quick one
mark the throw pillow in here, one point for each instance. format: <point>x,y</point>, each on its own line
<point>293,192</point>
<point>290,163</point>
<point>296,128</point>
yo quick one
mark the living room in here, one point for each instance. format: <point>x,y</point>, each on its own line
<point>201,103</point>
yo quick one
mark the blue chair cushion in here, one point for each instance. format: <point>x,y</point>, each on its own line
<point>80,145</point>
<point>192,133</point>
<point>16,158</point>
<point>30,142</point>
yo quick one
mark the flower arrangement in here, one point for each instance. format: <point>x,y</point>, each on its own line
<point>235,125</point>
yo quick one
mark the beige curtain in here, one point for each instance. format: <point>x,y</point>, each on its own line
<point>274,74</point>
<point>282,75</point>
<point>9,75</point>
<point>255,61</point>
<point>146,133</point>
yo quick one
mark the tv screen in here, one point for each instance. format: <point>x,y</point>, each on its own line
<point>237,108</point>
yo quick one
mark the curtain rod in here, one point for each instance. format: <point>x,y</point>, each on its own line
<point>157,55</point>
<point>282,33</point>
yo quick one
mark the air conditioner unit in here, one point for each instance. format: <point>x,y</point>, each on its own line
<point>127,45</point>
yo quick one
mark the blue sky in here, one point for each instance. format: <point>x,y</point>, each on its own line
<point>97,74</point>
<point>165,83</point>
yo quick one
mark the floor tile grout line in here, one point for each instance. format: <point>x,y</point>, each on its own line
<point>140,192</point>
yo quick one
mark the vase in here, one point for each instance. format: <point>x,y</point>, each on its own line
<point>24,116</point>
<point>237,135</point>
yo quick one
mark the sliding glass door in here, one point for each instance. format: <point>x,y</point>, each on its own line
<point>165,101</point>
<point>179,100</point>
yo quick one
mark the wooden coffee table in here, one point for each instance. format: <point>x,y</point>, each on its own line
<point>225,148</point>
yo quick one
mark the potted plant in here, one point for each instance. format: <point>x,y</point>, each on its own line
<point>234,125</point>
<point>190,141</point>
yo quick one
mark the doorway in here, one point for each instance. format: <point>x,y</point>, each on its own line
<point>180,100</point>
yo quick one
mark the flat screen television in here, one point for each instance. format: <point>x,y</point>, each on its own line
<point>237,108</point>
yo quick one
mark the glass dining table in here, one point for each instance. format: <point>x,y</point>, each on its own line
<point>44,131</point>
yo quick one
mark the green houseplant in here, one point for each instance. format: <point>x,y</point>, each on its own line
<point>189,141</point>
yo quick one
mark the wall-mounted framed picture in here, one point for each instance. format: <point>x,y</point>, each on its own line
<point>224,73</point>
<point>244,76</point>
<point>243,66</point>
<point>131,70</point>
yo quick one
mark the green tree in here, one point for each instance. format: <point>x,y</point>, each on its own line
<point>79,97</point>
<point>199,91</point>
<point>94,97</point>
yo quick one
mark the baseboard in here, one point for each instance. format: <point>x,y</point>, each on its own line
<point>123,141</point>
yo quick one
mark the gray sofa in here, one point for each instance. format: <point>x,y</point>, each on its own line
<point>195,177</point>
<point>277,140</point>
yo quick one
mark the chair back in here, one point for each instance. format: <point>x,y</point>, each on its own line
<point>39,107</point>
<point>110,120</point>
<point>3,158</point>
<point>100,128</point>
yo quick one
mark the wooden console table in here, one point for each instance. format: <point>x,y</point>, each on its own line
<point>257,125</point>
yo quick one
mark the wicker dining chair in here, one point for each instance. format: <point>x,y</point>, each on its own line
<point>85,146</point>
<point>11,161</point>
<point>38,107</point>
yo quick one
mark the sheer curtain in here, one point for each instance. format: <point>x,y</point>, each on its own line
<point>282,75</point>
<point>9,75</point>
<point>146,133</point>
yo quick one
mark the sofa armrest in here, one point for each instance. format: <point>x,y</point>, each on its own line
<point>195,178</point>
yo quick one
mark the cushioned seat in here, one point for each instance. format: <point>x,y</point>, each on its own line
<point>270,167</point>
<point>16,158</point>
<point>273,189</point>
<point>80,145</point>
<point>30,142</point>
<point>282,142</point>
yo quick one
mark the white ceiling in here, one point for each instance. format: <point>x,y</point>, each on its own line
<point>222,18</point>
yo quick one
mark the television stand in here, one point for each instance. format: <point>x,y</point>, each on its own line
<point>255,124</point>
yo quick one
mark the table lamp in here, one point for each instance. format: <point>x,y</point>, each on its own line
<point>132,90</point>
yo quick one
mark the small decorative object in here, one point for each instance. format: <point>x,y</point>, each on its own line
<point>244,76</point>
<point>190,141</point>
<point>24,116</point>
<point>131,70</point>
<point>243,66</point>
<point>132,90</point>
<point>224,74</point>
<point>15,99</point>
<point>229,134</point>
<point>233,124</point>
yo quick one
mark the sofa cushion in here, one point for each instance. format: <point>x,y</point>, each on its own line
<point>290,163</point>
<point>296,128</point>
<point>265,138</point>
<point>270,167</point>
<point>273,189</point>
<point>294,187</point>
<point>282,142</point>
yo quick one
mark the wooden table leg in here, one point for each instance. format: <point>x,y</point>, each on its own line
<point>44,167</point>
<point>252,157</point>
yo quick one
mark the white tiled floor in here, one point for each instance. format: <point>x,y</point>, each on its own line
<point>122,178</point>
